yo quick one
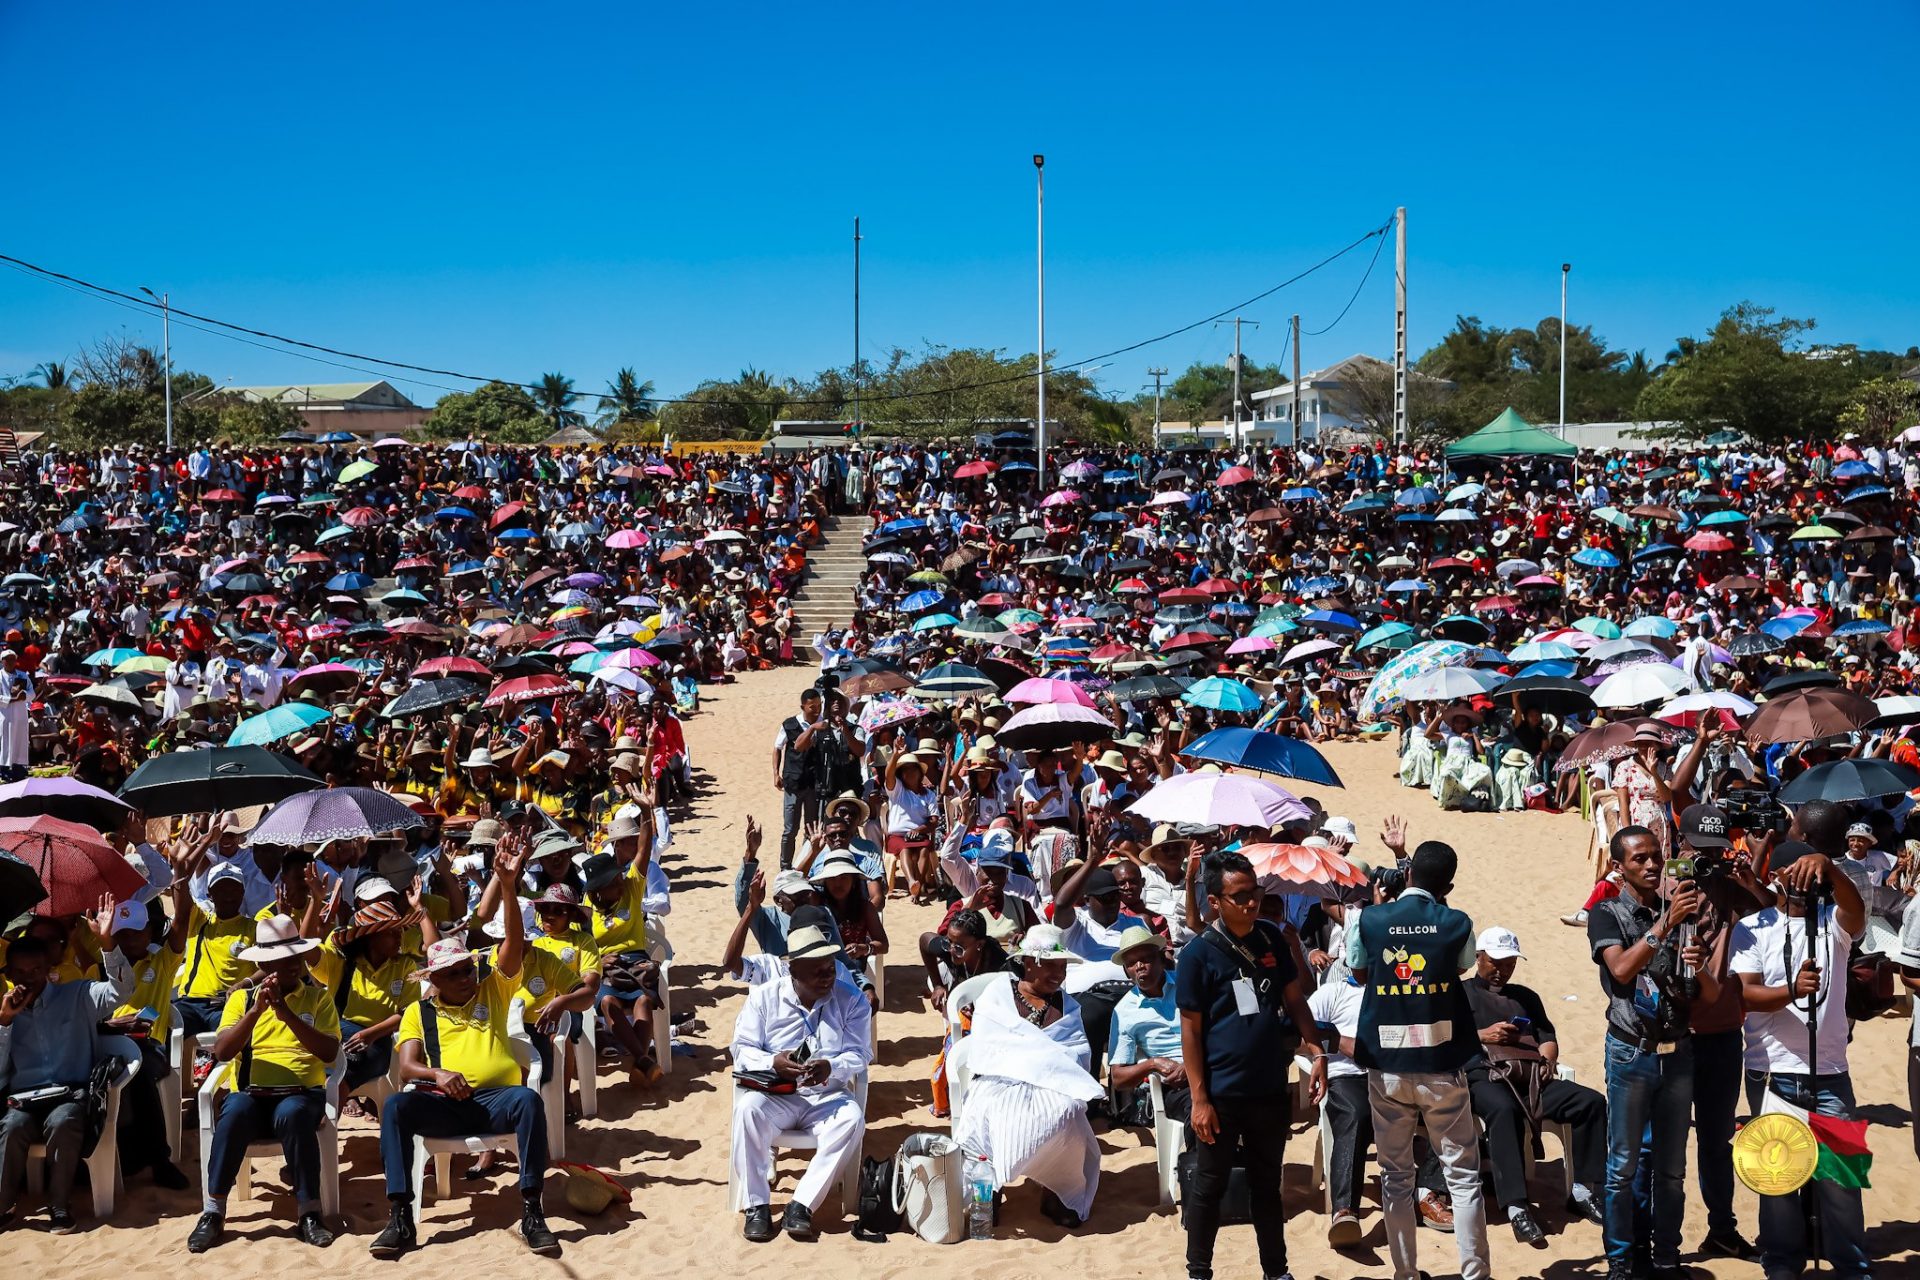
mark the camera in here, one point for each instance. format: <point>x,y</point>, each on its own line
<point>1754,810</point>
<point>1700,866</point>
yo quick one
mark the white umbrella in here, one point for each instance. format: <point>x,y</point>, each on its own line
<point>1640,684</point>
<point>1449,683</point>
<point>1685,711</point>
<point>1896,711</point>
<point>1222,799</point>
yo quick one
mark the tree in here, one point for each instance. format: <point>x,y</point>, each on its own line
<point>628,399</point>
<point>555,395</point>
<point>1365,396</point>
<point>53,376</point>
<point>1210,387</point>
<point>1750,375</point>
<point>495,411</point>
<point>1880,407</point>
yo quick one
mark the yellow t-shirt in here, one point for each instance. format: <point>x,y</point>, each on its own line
<point>212,964</point>
<point>575,949</point>
<point>433,907</point>
<point>473,1037</point>
<point>377,994</point>
<point>279,1059</point>
<point>624,928</point>
<point>153,989</point>
<point>425,788</point>
<point>543,976</point>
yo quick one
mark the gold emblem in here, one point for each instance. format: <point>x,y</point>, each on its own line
<point>1774,1154</point>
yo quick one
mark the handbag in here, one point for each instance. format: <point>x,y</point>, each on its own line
<point>929,1191</point>
<point>874,1215</point>
<point>765,1082</point>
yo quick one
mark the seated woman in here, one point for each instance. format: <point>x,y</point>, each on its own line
<point>367,972</point>
<point>1026,1107</point>
<point>1416,754</point>
<point>962,949</point>
<point>842,885</point>
<point>1463,781</point>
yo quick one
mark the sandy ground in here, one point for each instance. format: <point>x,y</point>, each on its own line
<point>670,1145</point>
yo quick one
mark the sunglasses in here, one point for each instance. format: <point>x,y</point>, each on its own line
<point>1246,898</point>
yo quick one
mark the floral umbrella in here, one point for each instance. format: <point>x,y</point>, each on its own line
<point>1384,694</point>
<point>1302,865</point>
<point>880,713</point>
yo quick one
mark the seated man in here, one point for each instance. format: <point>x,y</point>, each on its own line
<point>629,978</point>
<point>1514,1086</point>
<point>810,1029</point>
<point>454,1049</point>
<point>284,1029</point>
<point>154,957</point>
<point>1087,908</point>
<point>212,965</point>
<point>48,1044</point>
<point>1145,1040</point>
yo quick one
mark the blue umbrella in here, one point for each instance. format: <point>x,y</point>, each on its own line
<point>1867,491</point>
<point>1862,627</point>
<point>1274,629</point>
<point>1359,506</point>
<point>1413,517</point>
<point>1389,635</point>
<point>1306,493</point>
<point>1018,466</point>
<point>1851,470</point>
<point>1657,550</point>
<point>908,525</point>
<point>1329,620</point>
<point>1723,517</point>
<point>934,621</point>
<point>1787,628</point>
<point>587,663</point>
<point>349,582</point>
<point>1656,627</point>
<point>336,533</point>
<point>1118,477</point>
<point>1264,753</point>
<point>920,600</point>
<point>1543,650</point>
<point>1561,667</point>
<point>1408,585</point>
<point>454,513</point>
<point>1217,693</point>
<point>1595,558</point>
<point>515,535</point>
<point>282,721</point>
<point>344,437</point>
<point>1320,585</point>
<point>1231,609</point>
<point>1419,496</point>
<point>111,657</point>
<point>403,596</point>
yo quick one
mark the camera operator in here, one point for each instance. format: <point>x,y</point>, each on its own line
<point>1789,965</point>
<point>1644,968</point>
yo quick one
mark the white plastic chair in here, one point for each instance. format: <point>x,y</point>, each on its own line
<point>219,1080</point>
<point>1169,1142</point>
<point>662,1022</point>
<point>800,1140</point>
<point>103,1166</point>
<point>173,1090</point>
<point>964,995</point>
<point>959,1077</point>
<point>441,1150</point>
<point>586,1063</point>
<point>877,975</point>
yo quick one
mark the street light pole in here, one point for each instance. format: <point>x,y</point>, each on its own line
<point>1040,254</point>
<point>166,345</point>
<point>1565,267</point>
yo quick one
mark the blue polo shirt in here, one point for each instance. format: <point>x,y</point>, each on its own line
<point>1247,1054</point>
<point>1145,1027</point>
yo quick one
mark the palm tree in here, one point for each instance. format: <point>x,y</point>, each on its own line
<point>760,395</point>
<point>555,396</point>
<point>54,376</point>
<point>628,399</point>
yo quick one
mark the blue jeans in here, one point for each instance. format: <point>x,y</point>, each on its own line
<point>1783,1219</point>
<point>514,1109</point>
<point>294,1119</point>
<point>1645,1089</point>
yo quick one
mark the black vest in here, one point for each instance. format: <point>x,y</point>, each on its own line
<point>800,770</point>
<point>1414,1015</point>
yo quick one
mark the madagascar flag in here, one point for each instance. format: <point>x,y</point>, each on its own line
<point>1843,1156</point>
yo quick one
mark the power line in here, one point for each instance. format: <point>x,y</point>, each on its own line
<point>1314,333</point>
<point>232,329</point>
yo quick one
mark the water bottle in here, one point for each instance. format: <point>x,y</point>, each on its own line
<point>980,1199</point>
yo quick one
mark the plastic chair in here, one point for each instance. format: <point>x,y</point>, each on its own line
<point>586,1063</point>
<point>662,1022</point>
<point>181,1049</point>
<point>964,995</point>
<point>801,1140</point>
<point>1169,1142</point>
<point>959,1077</point>
<point>440,1150</point>
<point>219,1080</point>
<point>103,1166</point>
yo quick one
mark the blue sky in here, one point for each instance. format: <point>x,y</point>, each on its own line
<point>506,190</point>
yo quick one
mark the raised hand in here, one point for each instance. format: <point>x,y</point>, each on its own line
<point>1393,834</point>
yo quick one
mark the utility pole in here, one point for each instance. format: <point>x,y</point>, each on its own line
<point>1295,415</point>
<point>856,327</point>
<point>1157,375</point>
<point>166,344</point>
<point>1565,267</point>
<point>1040,357</point>
<point>1236,363</point>
<point>1400,427</point>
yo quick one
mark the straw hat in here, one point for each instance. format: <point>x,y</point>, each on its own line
<point>276,938</point>
<point>1046,942</point>
<point>591,1190</point>
<point>447,953</point>
<point>846,798</point>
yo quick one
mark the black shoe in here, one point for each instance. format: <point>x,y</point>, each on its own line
<point>1525,1229</point>
<point>533,1229</point>
<point>398,1235</point>
<point>206,1233</point>
<point>167,1174</point>
<point>1056,1212</point>
<point>1588,1210</point>
<point>312,1229</point>
<point>797,1221</point>
<point>1728,1244</point>
<point>759,1227</point>
<point>1672,1271</point>
<point>60,1222</point>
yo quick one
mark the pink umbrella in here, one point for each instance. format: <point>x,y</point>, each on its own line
<point>75,864</point>
<point>1064,498</point>
<point>1571,636</point>
<point>1308,649</point>
<point>325,676</point>
<point>974,470</point>
<point>1709,541</point>
<point>624,539</point>
<point>1302,864</point>
<point>1253,644</point>
<point>1221,799</point>
<point>1172,497</point>
<point>1235,475</point>
<point>1040,689</point>
<point>632,660</point>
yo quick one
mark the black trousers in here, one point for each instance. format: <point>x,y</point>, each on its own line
<point>1352,1117</point>
<point>1253,1134</point>
<point>1561,1101</point>
<point>143,1120</point>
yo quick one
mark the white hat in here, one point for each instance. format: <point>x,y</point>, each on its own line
<point>371,887</point>
<point>792,882</point>
<point>1499,944</point>
<point>1341,828</point>
<point>129,915</point>
<point>225,871</point>
<point>837,862</point>
<point>444,954</point>
<point>276,938</point>
<point>1860,829</point>
<point>478,758</point>
<point>810,943</point>
<point>1046,942</point>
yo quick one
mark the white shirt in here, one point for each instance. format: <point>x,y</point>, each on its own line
<point>1165,898</point>
<point>839,1029</point>
<point>1055,805</point>
<point>907,810</point>
<point>1772,944</point>
<point>1091,940</point>
<point>1338,1005</point>
<point>1909,955</point>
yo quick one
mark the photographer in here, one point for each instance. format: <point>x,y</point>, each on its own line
<point>1790,959</point>
<point>1635,939</point>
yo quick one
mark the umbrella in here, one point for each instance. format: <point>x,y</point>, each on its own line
<point>1051,726</point>
<point>1390,635</point>
<point>112,695</point>
<point>337,813</point>
<point>1264,753</point>
<point>74,864</point>
<point>1302,651</point>
<point>1609,742</point>
<point>1715,705</point>
<point>1640,684</point>
<point>1221,799</point>
<point>207,781</point>
<point>1329,620</point>
<point>1820,677</point>
<point>1542,650</point>
<point>325,676</point>
<point>111,657</point>
<point>1555,695</point>
<point>349,582</point>
<point>68,799</point>
<point>1805,714</point>
<point>1595,558</point>
<point>431,695</point>
<point>1384,694</point>
<point>1895,712</point>
<point>1708,541</point>
<point>882,712</point>
<point>1752,644</point>
<point>1462,627</point>
<point>452,665</point>
<point>1218,693</point>
<point>1304,865</point>
<point>280,722</point>
<point>954,680</point>
<point>1853,779</point>
<point>1040,690</point>
<point>533,688</point>
<point>1652,627</point>
<point>1448,684</point>
<point>1601,628</point>
<point>1144,687</point>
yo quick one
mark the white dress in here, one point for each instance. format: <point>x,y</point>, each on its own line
<point>16,696</point>
<point>1026,1107</point>
<point>183,682</point>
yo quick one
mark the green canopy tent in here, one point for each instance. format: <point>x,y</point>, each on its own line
<point>1511,436</point>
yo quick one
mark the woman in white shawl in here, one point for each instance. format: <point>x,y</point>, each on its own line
<point>1026,1107</point>
<point>16,696</point>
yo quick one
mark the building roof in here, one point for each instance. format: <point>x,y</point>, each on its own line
<point>379,394</point>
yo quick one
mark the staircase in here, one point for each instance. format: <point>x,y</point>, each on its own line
<point>834,569</point>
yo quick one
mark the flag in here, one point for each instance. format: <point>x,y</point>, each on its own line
<point>1843,1157</point>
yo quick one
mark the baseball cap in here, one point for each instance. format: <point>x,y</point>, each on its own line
<point>1101,883</point>
<point>225,871</point>
<point>792,883</point>
<point>1704,826</point>
<point>129,915</point>
<point>1499,944</point>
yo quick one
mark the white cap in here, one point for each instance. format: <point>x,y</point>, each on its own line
<point>1342,828</point>
<point>1860,829</point>
<point>225,871</point>
<point>129,915</point>
<point>1500,944</point>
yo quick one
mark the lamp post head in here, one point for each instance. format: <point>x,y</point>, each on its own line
<point>150,293</point>
<point>1039,161</point>
<point>1565,267</point>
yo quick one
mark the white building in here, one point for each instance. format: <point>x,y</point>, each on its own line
<point>1327,399</point>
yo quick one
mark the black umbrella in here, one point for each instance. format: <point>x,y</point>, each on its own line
<point>246,584</point>
<point>1141,688</point>
<point>1754,644</point>
<point>1549,693</point>
<point>532,663</point>
<point>208,781</point>
<point>20,889</point>
<point>431,695</point>
<point>1005,671</point>
<point>1856,779</point>
<point>1817,678</point>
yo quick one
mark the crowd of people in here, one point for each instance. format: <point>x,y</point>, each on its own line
<point>1072,721</point>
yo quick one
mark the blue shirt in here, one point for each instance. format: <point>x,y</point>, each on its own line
<point>54,1040</point>
<point>1145,1027</point>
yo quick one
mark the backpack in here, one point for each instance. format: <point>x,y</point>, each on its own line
<point>874,1215</point>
